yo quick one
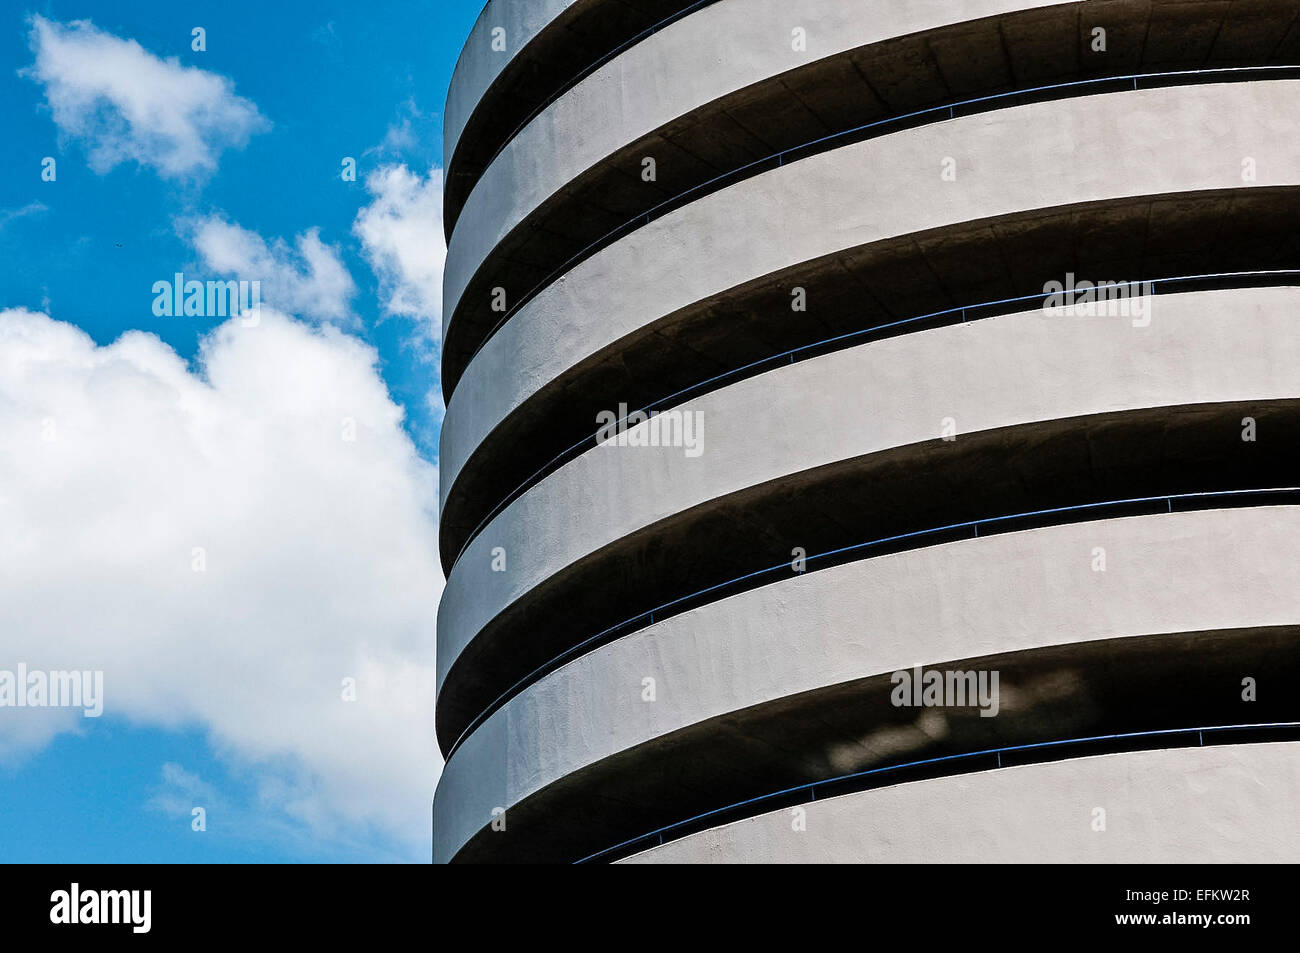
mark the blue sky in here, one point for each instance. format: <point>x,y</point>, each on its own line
<point>186,512</point>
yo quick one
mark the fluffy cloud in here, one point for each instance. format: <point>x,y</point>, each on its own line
<point>308,279</point>
<point>401,238</point>
<point>227,544</point>
<point>129,105</point>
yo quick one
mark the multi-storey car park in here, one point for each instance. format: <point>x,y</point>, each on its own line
<point>828,233</point>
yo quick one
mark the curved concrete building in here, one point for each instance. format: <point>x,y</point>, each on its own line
<point>870,434</point>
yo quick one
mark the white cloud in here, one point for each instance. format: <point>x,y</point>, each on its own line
<point>401,237</point>
<point>181,791</point>
<point>308,279</point>
<point>410,134</point>
<point>119,464</point>
<point>31,208</point>
<point>132,106</point>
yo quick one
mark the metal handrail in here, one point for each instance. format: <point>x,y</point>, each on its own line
<point>793,355</point>
<point>821,143</point>
<point>783,570</point>
<point>570,83</point>
<point>812,786</point>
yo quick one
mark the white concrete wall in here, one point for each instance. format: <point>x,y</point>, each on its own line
<point>1043,155</point>
<point>479,65</point>
<point>1167,573</point>
<point>1217,804</point>
<point>1200,347</point>
<point>729,45</point>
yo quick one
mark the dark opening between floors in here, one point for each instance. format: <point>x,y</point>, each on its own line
<point>745,539</point>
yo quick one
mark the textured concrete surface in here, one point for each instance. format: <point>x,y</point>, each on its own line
<point>1224,804</point>
<point>730,45</point>
<point>479,64</point>
<point>779,684</point>
<point>1094,148</point>
<point>873,285</point>
<point>1199,348</point>
<point>1166,573</point>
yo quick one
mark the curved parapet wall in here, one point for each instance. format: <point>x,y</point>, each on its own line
<point>503,29</point>
<point>889,434</point>
<point>738,43</point>
<point>1178,243</point>
<point>1092,150</point>
<point>1224,804</point>
<point>577,170</point>
<point>522,55</point>
<point>785,426</point>
<point>1007,594</point>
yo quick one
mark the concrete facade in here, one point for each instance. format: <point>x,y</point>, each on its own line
<point>1221,805</point>
<point>730,42</point>
<point>1089,501</point>
<point>1091,150</point>
<point>1172,573</point>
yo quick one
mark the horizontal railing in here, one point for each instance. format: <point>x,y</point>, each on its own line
<point>1125,83</point>
<point>951,532</point>
<point>958,315</point>
<point>874,777</point>
<point>573,81</point>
